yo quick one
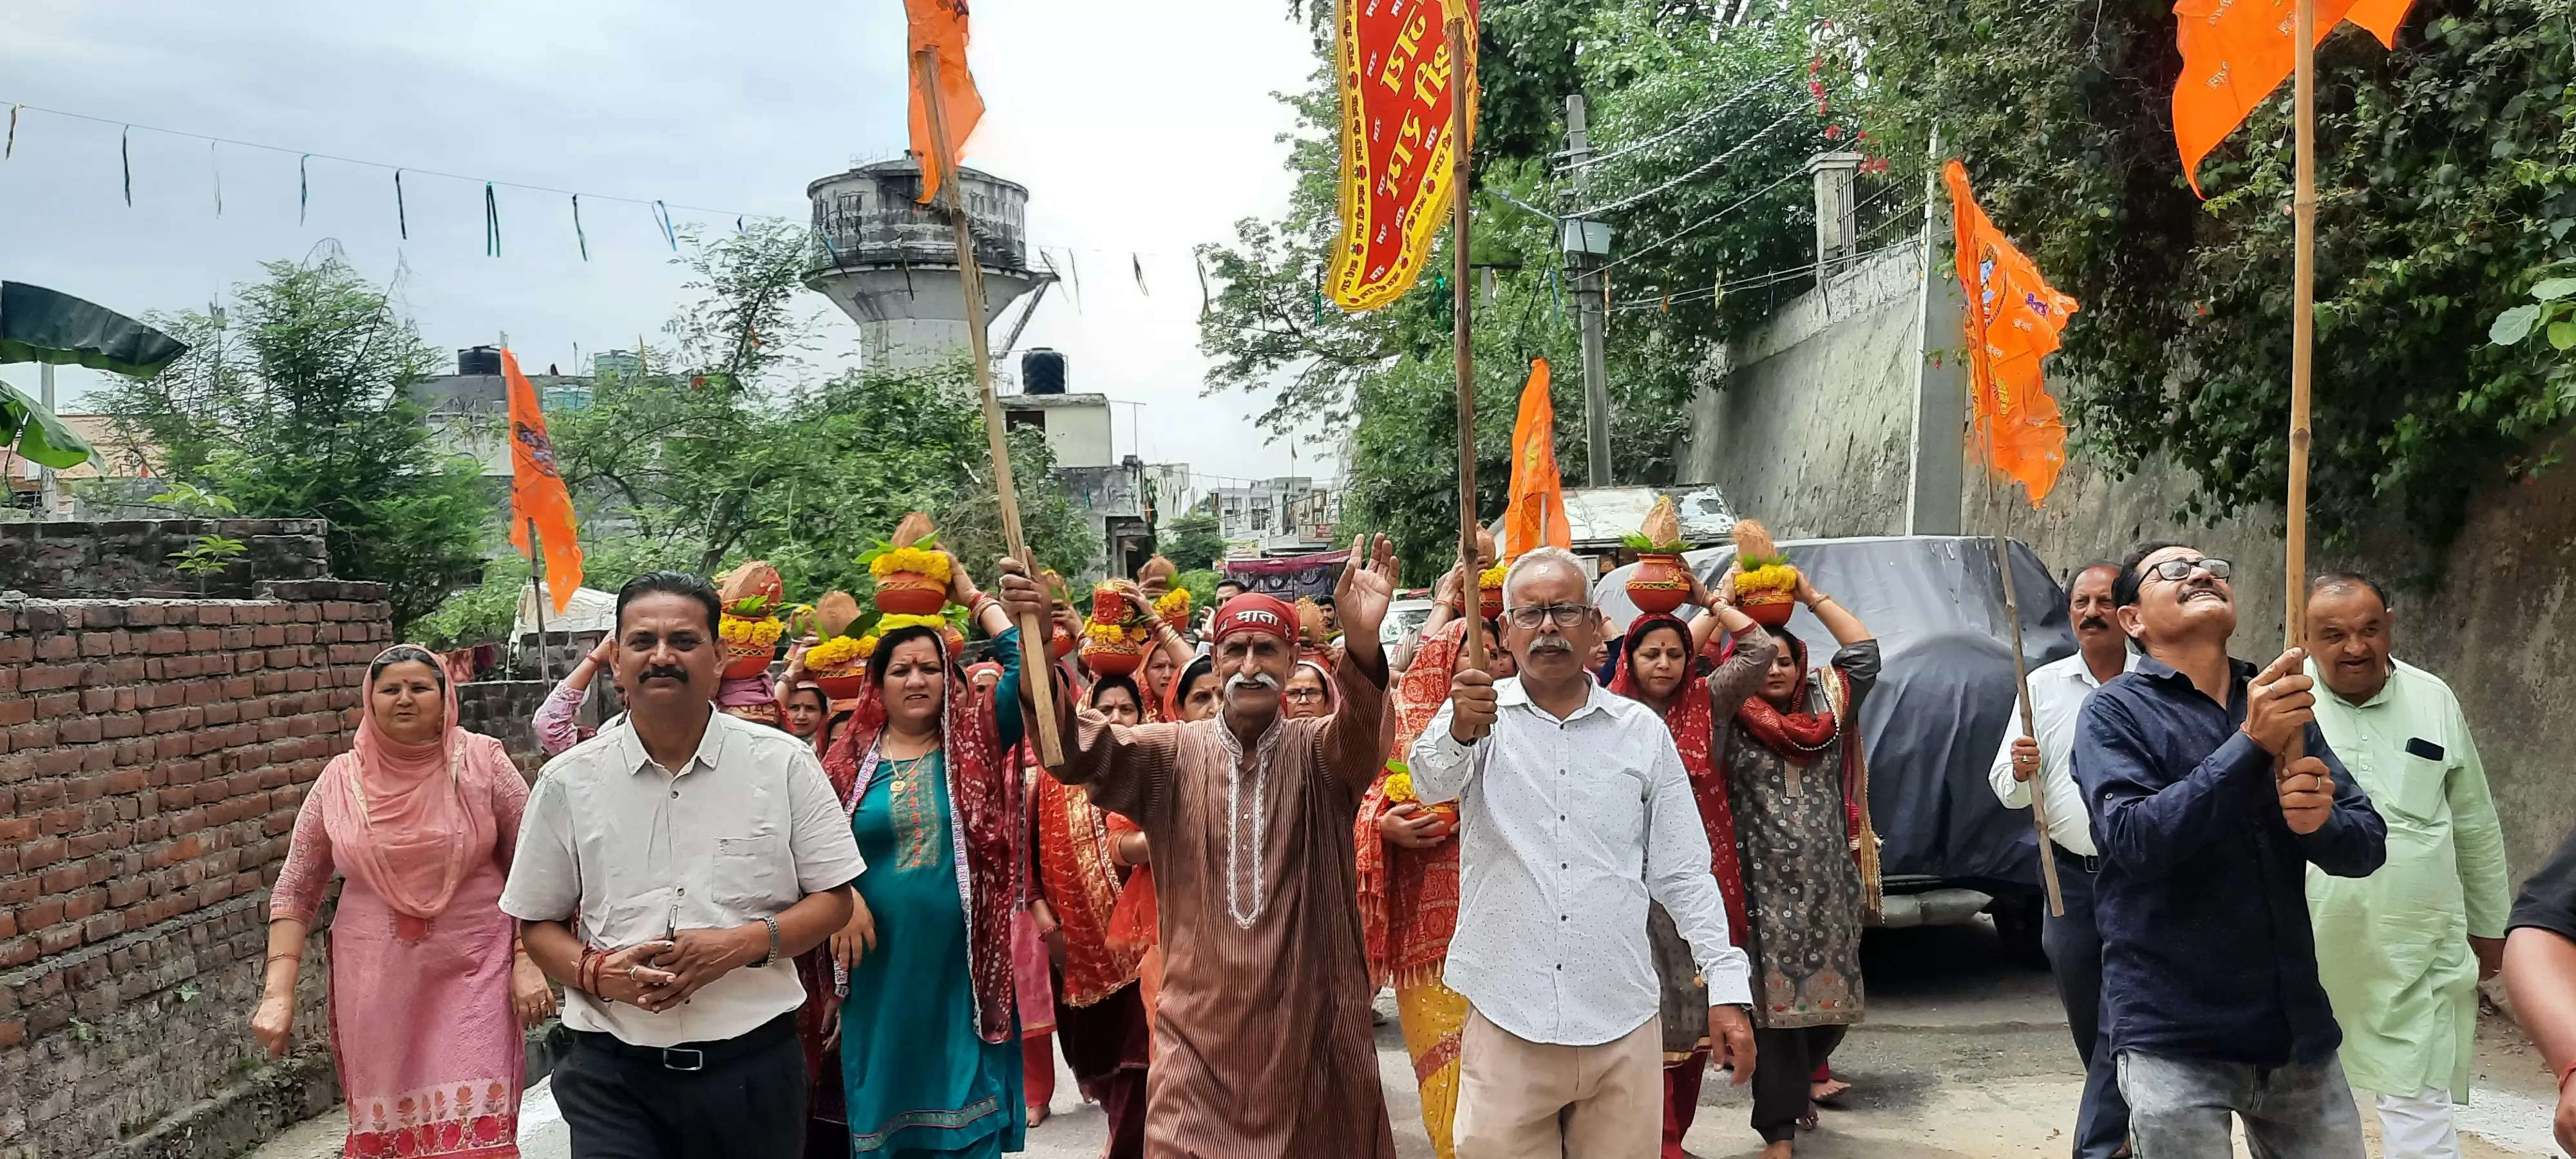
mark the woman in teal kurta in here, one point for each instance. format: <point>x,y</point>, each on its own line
<point>930,1052</point>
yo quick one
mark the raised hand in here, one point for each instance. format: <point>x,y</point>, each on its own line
<point>2278,704</point>
<point>2307,794</point>
<point>1022,596</point>
<point>1366,588</point>
<point>1471,706</point>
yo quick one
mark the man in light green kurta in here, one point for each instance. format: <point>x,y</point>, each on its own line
<point>2401,951</point>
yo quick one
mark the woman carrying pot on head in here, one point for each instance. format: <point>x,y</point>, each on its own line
<point>1790,755</point>
<point>930,1059</point>
<point>1657,666</point>
<point>429,990</point>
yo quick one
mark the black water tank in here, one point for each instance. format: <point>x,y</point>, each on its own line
<point>479,360</point>
<point>1042,371</point>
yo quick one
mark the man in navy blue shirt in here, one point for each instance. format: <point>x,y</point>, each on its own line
<point>2211,792</point>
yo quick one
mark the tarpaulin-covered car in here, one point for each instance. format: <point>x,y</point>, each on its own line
<point>1948,848</point>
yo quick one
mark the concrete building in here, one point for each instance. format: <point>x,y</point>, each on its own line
<point>469,410</point>
<point>1076,425</point>
<point>890,262</point>
<point>1288,515</point>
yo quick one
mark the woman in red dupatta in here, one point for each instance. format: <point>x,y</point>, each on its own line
<point>1660,664</point>
<point>1792,761</point>
<point>928,1030</point>
<point>429,992</point>
<point>1099,1007</point>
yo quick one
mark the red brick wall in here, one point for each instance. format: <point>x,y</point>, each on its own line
<point>155,754</point>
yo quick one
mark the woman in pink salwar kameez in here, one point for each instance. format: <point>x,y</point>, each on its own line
<point>429,991</point>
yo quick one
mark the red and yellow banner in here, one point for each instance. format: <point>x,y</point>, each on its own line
<point>2235,52</point>
<point>537,493</point>
<point>1396,74</point>
<point>2013,319</point>
<point>1536,515</point>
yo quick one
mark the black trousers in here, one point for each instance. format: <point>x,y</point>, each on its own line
<point>2074,948</point>
<point>1784,1063</point>
<point>746,1100</point>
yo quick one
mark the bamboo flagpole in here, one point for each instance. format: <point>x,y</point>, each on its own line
<point>2303,210</point>
<point>1461,147</point>
<point>970,280</point>
<point>2038,782</point>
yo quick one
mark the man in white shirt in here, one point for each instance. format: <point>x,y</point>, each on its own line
<point>1576,812</point>
<point>668,872</point>
<point>2058,691</point>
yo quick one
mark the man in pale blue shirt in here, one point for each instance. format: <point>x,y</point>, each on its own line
<point>1576,812</point>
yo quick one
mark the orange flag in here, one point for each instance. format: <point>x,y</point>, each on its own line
<point>536,492</point>
<point>938,27</point>
<point>2235,52</point>
<point>2013,319</point>
<point>1537,513</point>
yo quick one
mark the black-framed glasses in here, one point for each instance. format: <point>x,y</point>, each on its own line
<point>1565,615</point>
<point>2178,570</point>
<point>1301,695</point>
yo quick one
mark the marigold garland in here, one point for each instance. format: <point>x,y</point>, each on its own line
<point>839,652</point>
<point>1174,605</point>
<point>763,632</point>
<point>1491,578</point>
<point>1777,577</point>
<point>932,563</point>
<point>1099,633</point>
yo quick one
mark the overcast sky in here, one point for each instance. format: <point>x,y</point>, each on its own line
<point>1140,127</point>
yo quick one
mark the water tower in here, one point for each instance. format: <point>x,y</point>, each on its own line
<point>890,263</point>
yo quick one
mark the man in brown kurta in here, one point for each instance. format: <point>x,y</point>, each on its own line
<point>1263,1047</point>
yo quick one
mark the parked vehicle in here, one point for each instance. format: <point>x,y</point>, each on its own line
<point>1948,849</point>
<point>1404,617</point>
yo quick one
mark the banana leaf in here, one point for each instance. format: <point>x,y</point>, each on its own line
<point>41,325</point>
<point>40,436</point>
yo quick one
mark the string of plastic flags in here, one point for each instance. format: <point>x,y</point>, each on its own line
<point>1062,262</point>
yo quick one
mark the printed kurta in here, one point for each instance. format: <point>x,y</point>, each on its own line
<point>1262,1041</point>
<point>2393,947</point>
<point>1800,881</point>
<point>422,1033</point>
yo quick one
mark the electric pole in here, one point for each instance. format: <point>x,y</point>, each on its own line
<point>1587,247</point>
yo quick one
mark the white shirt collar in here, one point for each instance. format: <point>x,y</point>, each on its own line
<point>630,747</point>
<point>1510,692</point>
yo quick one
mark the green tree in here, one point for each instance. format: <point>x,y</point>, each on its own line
<point>2446,179</point>
<point>292,404</point>
<point>1718,199</point>
<point>1195,543</point>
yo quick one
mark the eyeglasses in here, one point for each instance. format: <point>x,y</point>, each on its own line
<point>1304,694</point>
<point>1565,615</point>
<point>2178,570</point>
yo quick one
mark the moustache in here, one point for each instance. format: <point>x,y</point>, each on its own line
<point>2090,623</point>
<point>670,671</point>
<point>1251,680</point>
<point>1545,644</point>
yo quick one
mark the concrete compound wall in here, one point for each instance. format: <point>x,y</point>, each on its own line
<point>152,757</point>
<point>1809,427</point>
<point>504,710</point>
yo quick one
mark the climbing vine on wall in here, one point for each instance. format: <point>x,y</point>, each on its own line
<point>2446,188</point>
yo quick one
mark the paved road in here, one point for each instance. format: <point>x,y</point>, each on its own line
<point>1964,1056</point>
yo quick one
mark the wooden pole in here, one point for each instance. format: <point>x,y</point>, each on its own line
<point>1034,668</point>
<point>2303,315</point>
<point>2038,781</point>
<point>1462,80</point>
<point>537,580</point>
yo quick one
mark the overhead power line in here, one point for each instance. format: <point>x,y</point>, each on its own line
<point>1686,122</point>
<point>1712,163</point>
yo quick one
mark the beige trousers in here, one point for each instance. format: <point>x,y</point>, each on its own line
<point>1519,1099</point>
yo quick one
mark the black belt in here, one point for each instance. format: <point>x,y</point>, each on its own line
<point>2065,856</point>
<point>693,1056</point>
